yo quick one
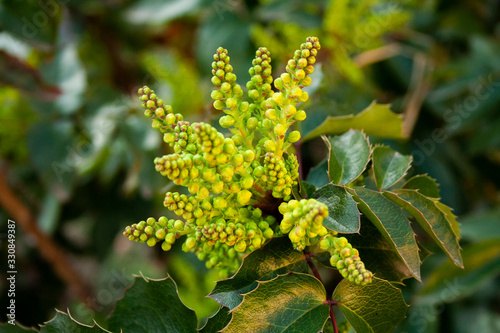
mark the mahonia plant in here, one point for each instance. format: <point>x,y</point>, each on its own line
<point>244,202</point>
<point>236,182</point>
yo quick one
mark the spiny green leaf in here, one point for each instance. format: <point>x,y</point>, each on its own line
<point>306,189</point>
<point>349,155</point>
<point>424,184</point>
<point>318,175</point>
<point>389,166</point>
<point>376,119</point>
<point>343,214</point>
<point>378,254</point>
<point>431,219</point>
<point>276,257</point>
<point>448,282</point>
<point>294,302</point>
<point>217,322</point>
<point>375,307</point>
<point>152,306</point>
<point>63,322</point>
<point>452,219</point>
<point>392,224</point>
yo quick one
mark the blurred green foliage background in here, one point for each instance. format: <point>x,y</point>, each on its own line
<point>76,153</point>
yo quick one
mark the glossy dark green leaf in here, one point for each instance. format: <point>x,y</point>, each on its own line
<point>152,306</point>
<point>348,157</point>
<point>217,322</point>
<point>431,219</point>
<point>307,189</point>
<point>375,307</point>
<point>343,214</point>
<point>389,166</point>
<point>376,119</point>
<point>318,175</point>
<point>448,282</point>
<point>276,257</point>
<point>63,322</point>
<point>392,224</point>
<point>378,254</point>
<point>294,302</point>
<point>452,219</point>
<point>424,184</point>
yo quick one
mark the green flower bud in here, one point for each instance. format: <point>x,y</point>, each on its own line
<point>240,246</point>
<point>252,123</point>
<point>280,130</point>
<point>253,94</point>
<point>285,77</point>
<point>166,246</point>
<point>278,84</point>
<point>278,98</point>
<point>225,87</point>
<point>219,105</point>
<point>216,95</point>
<point>294,136</point>
<point>249,156</point>
<point>269,146</point>
<point>300,74</point>
<point>301,115</point>
<point>244,197</point>
<point>226,121</point>
<point>231,103</point>
<point>271,114</point>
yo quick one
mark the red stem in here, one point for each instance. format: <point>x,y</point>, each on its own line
<point>330,302</point>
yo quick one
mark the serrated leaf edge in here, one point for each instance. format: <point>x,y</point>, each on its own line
<point>419,278</point>
<point>72,319</point>
<point>239,268</point>
<point>421,175</point>
<point>434,236</point>
<point>329,146</point>
<point>402,176</point>
<point>263,282</point>
<point>348,193</point>
<point>399,290</point>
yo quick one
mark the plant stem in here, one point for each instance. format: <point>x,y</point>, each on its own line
<point>330,302</point>
<point>60,262</point>
<point>332,317</point>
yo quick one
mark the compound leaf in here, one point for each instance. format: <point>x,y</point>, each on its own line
<point>392,224</point>
<point>375,307</point>
<point>343,214</point>
<point>276,257</point>
<point>294,302</point>
<point>349,155</point>
<point>152,306</point>
<point>63,322</point>
<point>389,166</point>
<point>432,219</point>
<point>376,119</point>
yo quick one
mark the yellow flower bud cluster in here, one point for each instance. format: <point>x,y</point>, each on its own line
<point>346,259</point>
<point>231,177</point>
<point>303,221</point>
